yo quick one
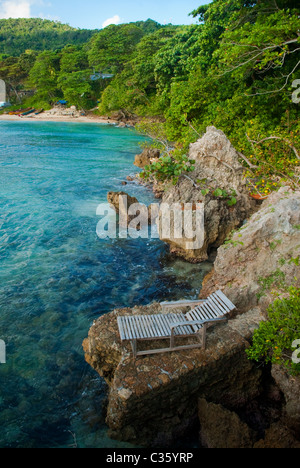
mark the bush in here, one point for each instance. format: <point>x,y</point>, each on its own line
<point>168,168</point>
<point>275,339</point>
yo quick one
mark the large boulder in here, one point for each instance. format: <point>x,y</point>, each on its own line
<point>221,428</point>
<point>153,399</point>
<point>146,157</point>
<point>116,201</point>
<point>290,387</point>
<point>128,209</point>
<point>217,166</point>
<point>121,203</point>
<point>261,256</point>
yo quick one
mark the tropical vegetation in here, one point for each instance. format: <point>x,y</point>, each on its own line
<point>236,69</point>
<point>277,339</point>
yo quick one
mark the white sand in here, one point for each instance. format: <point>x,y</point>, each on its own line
<point>55,117</point>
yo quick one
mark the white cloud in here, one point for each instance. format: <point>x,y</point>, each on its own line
<point>15,9</point>
<point>114,20</point>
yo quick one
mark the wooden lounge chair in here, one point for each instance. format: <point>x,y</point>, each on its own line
<point>214,309</point>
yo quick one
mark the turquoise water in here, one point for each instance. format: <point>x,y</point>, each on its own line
<point>57,276</point>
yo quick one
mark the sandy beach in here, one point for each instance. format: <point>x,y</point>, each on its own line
<point>48,117</point>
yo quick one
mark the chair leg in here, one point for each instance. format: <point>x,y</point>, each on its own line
<point>134,348</point>
<point>172,340</point>
<point>204,329</point>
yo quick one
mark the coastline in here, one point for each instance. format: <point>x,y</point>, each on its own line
<point>48,117</point>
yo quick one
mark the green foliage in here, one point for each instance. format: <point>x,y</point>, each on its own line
<point>74,78</point>
<point>76,88</point>
<point>149,26</point>
<point>173,162</point>
<point>19,35</point>
<point>44,74</point>
<point>68,74</point>
<point>273,341</point>
<point>133,88</point>
<point>233,70</point>
<point>14,71</point>
<point>229,195</point>
<point>114,45</point>
<point>168,168</point>
<point>274,280</point>
<point>173,61</point>
<point>257,47</point>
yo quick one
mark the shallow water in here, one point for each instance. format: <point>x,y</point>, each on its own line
<point>57,276</point>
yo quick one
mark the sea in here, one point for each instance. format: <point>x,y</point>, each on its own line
<point>57,276</point>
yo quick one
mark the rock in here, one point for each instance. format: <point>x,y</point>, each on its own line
<point>290,387</point>
<point>278,436</point>
<point>217,166</point>
<point>146,157</point>
<point>60,111</point>
<point>124,117</point>
<point>257,259</point>
<point>221,428</point>
<point>154,397</point>
<point>121,202</point>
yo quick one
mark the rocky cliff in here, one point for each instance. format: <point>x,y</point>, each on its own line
<point>261,257</point>
<point>233,402</point>
<point>217,170</point>
<point>154,399</point>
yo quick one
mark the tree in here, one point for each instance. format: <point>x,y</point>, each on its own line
<point>142,66</point>
<point>74,76</point>
<point>268,43</point>
<point>113,46</point>
<point>14,71</point>
<point>43,76</point>
<point>76,88</point>
<point>174,60</point>
<point>18,35</point>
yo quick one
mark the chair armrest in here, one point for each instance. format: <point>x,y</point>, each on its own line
<point>183,303</point>
<point>197,322</point>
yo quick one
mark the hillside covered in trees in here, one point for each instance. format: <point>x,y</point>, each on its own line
<point>54,61</point>
<point>236,69</point>
<point>19,35</point>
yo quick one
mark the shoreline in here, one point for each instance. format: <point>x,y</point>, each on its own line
<point>47,117</point>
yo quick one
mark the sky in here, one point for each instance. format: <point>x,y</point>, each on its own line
<point>96,14</point>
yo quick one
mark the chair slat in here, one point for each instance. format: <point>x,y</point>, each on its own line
<point>216,310</point>
<point>139,327</point>
<point>219,303</point>
<point>163,326</point>
<point>125,328</point>
<point>131,328</point>
<point>226,300</point>
<point>208,312</point>
<point>147,327</point>
<point>166,322</point>
<point>153,326</point>
<point>197,314</point>
<point>181,330</point>
<point>121,329</point>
